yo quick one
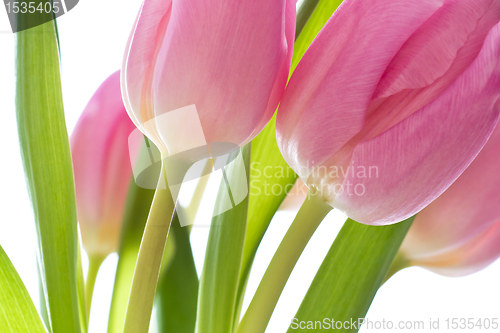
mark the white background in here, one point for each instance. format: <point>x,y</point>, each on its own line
<point>92,39</point>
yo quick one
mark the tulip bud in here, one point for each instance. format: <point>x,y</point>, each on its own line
<point>459,233</point>
<point>392,102</point>
<point>230,59</point>
<point>102,169</point>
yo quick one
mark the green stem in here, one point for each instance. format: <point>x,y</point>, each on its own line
<point>310,215</point>
<point>95,263</point>
<point>351,273</point>
<point>303,14</point>
<point>400,262</point>
<point>191,210</point>
<point>136,215</point>
<point>147,269</point>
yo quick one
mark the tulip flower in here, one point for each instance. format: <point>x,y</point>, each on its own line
<point>101,164</point>
<point>230,59</point>
<point>391,103</point>
<point>459,233</point>
<point>226,60</point>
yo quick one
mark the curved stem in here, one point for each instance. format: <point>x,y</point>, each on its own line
<point>147,269</point>
<point>94,265</point>
<point>400,262</point>
<point>264,301</point>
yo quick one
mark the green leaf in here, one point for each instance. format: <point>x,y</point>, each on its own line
<point>43,303</point>
<point>352,272</point>
<point>303,14</point>
<point>136,214</point>
<point>177,293</point>
<point>223,258</point>
<point>266,156</point>
<point>82,301</point>
<point>266,160</point>
<point>17,311</point>
<point>47,164</point>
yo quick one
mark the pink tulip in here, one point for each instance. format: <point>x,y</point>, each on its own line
<point>230,59</point>
<point>459,233</point>
<point>392,102</point>
<point>102,167</point>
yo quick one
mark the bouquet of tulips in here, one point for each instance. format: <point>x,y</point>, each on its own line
<point>386,110</point>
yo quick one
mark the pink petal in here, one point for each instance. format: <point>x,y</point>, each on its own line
<point>326,101</point>
<point>468,208</point>
<point>432,58</point>
<point>140,59</point>
<point>278,89</point>
<point>101,166</point>
<point>454,35</point>
<point>469,258</point>
<point>419,158</point>
<point>230,59</point>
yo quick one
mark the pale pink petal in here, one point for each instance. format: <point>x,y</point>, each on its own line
<point>326,101</point>
<point>454,34</point>
<point>101,166</point>
<point>419,159</point>
<point>230,59</point>
<point>469,258</point>
<point>466,209</point>
<point>140,59</point>
<point>432,58</point>
<point>279,85</point>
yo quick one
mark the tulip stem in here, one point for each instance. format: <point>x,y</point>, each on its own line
<point>400,262</point>
<point>147,269</point>
<point>309,217</point>
<point>303,14</point>
<point>95,263</point>
<point>191,210</point>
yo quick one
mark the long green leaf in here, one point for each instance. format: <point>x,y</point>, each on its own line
<point>266,161</point>
<point>82,308</point>
<point>17,311</point>
<point>135,217</point>
<point>266,158</point>
<point>42,303</point>
<point>47,164</point>
<point>221,271</point>
<point>177,293</point>
<point>351,273</point>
